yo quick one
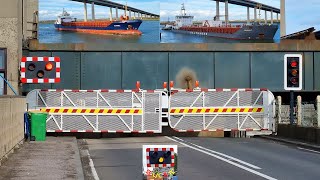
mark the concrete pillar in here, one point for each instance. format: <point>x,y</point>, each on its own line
<point>299,110</point>
<point>217,11</point>
<point>318,111</point>
<point>255,14</point>
<point>248,15</point>
<point>265,17</point>
<point>227,12</point>
<point>283,28</point>
<point>134,14</point>
<point>277,16</point>
<point>271,17</point>
<point>110,14</point>
<point>85,11</point>
<point>117,15</point>
<point>92,11</point>
<point>129,13</point>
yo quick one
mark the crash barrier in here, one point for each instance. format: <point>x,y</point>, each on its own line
<point>12,110</point>
<point>111,111</point>
<point>221,110</point>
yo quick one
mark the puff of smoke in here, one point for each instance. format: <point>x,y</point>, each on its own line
<point>186,78</point>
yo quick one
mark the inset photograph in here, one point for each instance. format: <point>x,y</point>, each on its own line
<point>220,21</point>
<point>93,21</point>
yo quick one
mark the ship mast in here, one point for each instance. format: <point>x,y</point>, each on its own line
<point>183,10</point>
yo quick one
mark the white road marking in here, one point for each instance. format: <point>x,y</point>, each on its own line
<point>225,160</point>
<point>224,155</point>
<point>94,172</point>
<point>309,150</point>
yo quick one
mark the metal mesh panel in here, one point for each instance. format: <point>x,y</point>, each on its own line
<point>135,99</point>
<point>285,114</point>
<point>309,115</point>
<point>31,99</point>
<point>52,99</point>
<point>223,122</point>
<point>51,125</point>
<point>114,123</point>
<point>189,122</point>
<point>80,99</point>
<point>250,124</point>
<point>75,122</point>
<point>117,99</point>
<point>151,121</point>
<point>214,99</point>
<point>248,98</point>
<point>137,123</point>
<point>185,99</point>
<point>151,102</point>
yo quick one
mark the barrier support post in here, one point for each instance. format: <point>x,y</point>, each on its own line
<point>318,110</point>
<point>299,110</point>
<point>279,102</point>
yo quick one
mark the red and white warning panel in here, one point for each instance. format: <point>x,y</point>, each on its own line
<point>40,70</point>
<point>159,161</point>
<point>221,110</point>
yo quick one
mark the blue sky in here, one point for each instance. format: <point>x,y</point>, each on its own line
<point>50,9</point>
<point>300,17</point>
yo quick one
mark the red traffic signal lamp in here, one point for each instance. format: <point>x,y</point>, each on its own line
<point>293,72</point>
<point>40,70</point>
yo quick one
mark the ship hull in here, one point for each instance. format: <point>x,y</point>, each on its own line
<point>266,32</point>
<point>129,27</point>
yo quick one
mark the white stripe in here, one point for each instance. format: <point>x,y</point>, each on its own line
<point>23,75</point>
<point>40,58</point>
<point>51,80</point>
<point>58,64</point>
<point>29,58</point>
<point>221,154</point>
<point>23,64</point>
<point>225,160</point>
<point>94,172</point>
<point>40,80</point>
<point>29,81</point>
<point>58,75</point>
<point>309,150</point>
<point>51,58</point>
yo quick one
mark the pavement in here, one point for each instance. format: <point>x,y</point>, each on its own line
<point>206,158</point>
<point>55,158</point>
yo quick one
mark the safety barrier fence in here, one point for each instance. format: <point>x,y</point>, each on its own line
<point>126,111</point>
<point>221,110</point>
<point>142,111</point>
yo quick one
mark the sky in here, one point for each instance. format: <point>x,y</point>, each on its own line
<point>50,9</point>
<point>299,18</point>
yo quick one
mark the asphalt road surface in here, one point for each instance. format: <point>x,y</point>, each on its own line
<point>207,158</point>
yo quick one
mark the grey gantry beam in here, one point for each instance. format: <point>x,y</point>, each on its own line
<point>252,4</point>
<point>116,5</point>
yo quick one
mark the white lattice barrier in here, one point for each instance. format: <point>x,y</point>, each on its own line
<point>221,110</point>
<point>121,111</point>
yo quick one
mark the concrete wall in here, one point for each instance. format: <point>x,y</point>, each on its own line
<point>11,38</point>
<point>307,134</point>
<point>12,110</point>
<point>29,7</point>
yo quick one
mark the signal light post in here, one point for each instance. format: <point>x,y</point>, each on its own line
<point>292,77</point>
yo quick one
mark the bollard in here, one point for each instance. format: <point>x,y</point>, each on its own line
<point>299,110</point>
<point>318,110</point>
<point>279,102</point>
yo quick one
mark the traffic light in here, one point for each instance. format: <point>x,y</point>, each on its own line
<point>160,157</point>
<point>293,72</point>
<point>40,70</point>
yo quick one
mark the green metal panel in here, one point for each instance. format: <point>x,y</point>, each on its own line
<point>30,87</point>
<point>232,70</point>
<point>101,70</point>
<point>151,69</point>
<point>308,71</point>
<point>200,64</point>
<point>70,70</point>
<point>38,126</point>
<point>316,68</point>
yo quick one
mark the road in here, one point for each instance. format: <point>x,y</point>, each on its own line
<point>207,158</point>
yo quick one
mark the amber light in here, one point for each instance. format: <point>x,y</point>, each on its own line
<point>49,66</point>
<point>294,72</point>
